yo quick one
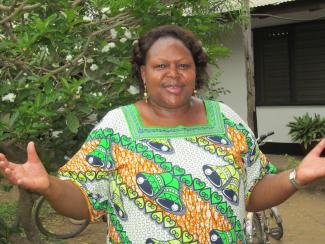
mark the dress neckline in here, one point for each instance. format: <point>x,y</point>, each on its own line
<point>214,125</point>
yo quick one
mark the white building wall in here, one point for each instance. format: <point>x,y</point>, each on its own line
<point>233,75</point>
<point>276,118</point>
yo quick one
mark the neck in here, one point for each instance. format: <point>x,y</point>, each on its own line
<point>165,112</point>
<point>191,113</point>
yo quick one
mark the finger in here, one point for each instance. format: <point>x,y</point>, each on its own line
<point>319,148</point>
<point>10,176</point>
<point>31,153</point>
<point>2,157</point>
<point>3,163</point>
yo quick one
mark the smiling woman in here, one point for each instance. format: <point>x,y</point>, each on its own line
<point>170,168</point>
<point>170,65</point>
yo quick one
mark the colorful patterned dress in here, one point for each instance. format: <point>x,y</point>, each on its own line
<point>183,184</point>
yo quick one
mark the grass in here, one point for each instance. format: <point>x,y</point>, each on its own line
<point>8,211</point>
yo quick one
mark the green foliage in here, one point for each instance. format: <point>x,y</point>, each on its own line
<point>64,63</point>
<point>7,218</point>
<point>305,129</point>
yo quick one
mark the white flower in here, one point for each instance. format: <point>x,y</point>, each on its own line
<point>107,47</point>
<point>80,61</point>
<point>56,133</point>
<point>122,77</point>
<point>26,15</point>
<point>100,94</point>
<point>93,67</point>
<point>187,11</point>
<point>10,97</point>
<point>133,90</point>
<point>87,18</point>
<point>68,57</point>
<point>113,33</point>
<point>44,50</point>
<point>121,9</point>
<point>90,60</point>
<point>134,42</point>
<point>111,44</point>
<point>127,34</point>
<point>106,10</point>
<point>123,40</point>
<point>2,37</point>
<point>79,89</point>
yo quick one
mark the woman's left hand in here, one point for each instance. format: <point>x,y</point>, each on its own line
<point>312,167</point>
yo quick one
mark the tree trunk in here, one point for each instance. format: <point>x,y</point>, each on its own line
<point>26,220</point>
<point>16,152</point>
<point>249,63</point>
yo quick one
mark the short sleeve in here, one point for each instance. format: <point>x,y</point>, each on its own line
<point>256,163</point>
<point>256,168</point>
<point>88,170</point>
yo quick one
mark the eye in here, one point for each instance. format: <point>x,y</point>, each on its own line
<point>183,66</point>
<point>160,66</point>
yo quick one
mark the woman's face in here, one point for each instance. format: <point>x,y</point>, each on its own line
<point>169,73</point>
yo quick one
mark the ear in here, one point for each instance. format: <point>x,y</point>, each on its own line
<point>143,73</point>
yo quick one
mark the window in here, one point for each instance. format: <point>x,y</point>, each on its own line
<point>290,64</point>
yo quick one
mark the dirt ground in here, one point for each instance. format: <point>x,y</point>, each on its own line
<point>303,216</point>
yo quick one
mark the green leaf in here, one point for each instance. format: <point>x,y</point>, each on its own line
<point>72,122</point>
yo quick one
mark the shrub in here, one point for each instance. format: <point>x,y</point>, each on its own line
<point>306,129</point>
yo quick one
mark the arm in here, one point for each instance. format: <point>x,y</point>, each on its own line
<point>275,189</point>
<point>64,196</point>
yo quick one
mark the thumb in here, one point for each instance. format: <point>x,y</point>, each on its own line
<point>31,153</point>
<point>319,148</point>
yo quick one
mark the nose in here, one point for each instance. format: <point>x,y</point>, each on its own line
<point>173,71</point>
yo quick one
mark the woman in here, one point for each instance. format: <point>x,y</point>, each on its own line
<point>170,168</point>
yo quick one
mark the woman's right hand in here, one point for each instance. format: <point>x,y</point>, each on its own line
<point>31,175</point>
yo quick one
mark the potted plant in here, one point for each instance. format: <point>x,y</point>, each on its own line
<point>307,130</point>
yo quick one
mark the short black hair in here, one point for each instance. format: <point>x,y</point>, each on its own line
<point>145,41</point>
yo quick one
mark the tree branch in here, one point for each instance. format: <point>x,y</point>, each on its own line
<point>7,29</point>
<point>25,8</point>
<point>76,3</point>
<point>88,42</point>
<point>13,14</point>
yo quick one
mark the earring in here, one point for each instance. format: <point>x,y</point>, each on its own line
<point>195,92</point>
<point>145,94</point>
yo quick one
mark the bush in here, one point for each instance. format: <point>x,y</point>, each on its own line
<point>306,129</point>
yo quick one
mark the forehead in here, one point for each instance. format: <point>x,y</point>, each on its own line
<point>166,46</point>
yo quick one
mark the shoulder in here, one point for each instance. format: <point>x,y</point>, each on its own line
<point>230,116</point>
<point>113,118</point>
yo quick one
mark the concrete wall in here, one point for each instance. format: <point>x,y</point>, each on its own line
<point>233,75</point>
<point>276,118</point>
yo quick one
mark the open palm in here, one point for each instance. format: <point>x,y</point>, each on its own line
<point>30,175</point>
<point>312,166</point>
